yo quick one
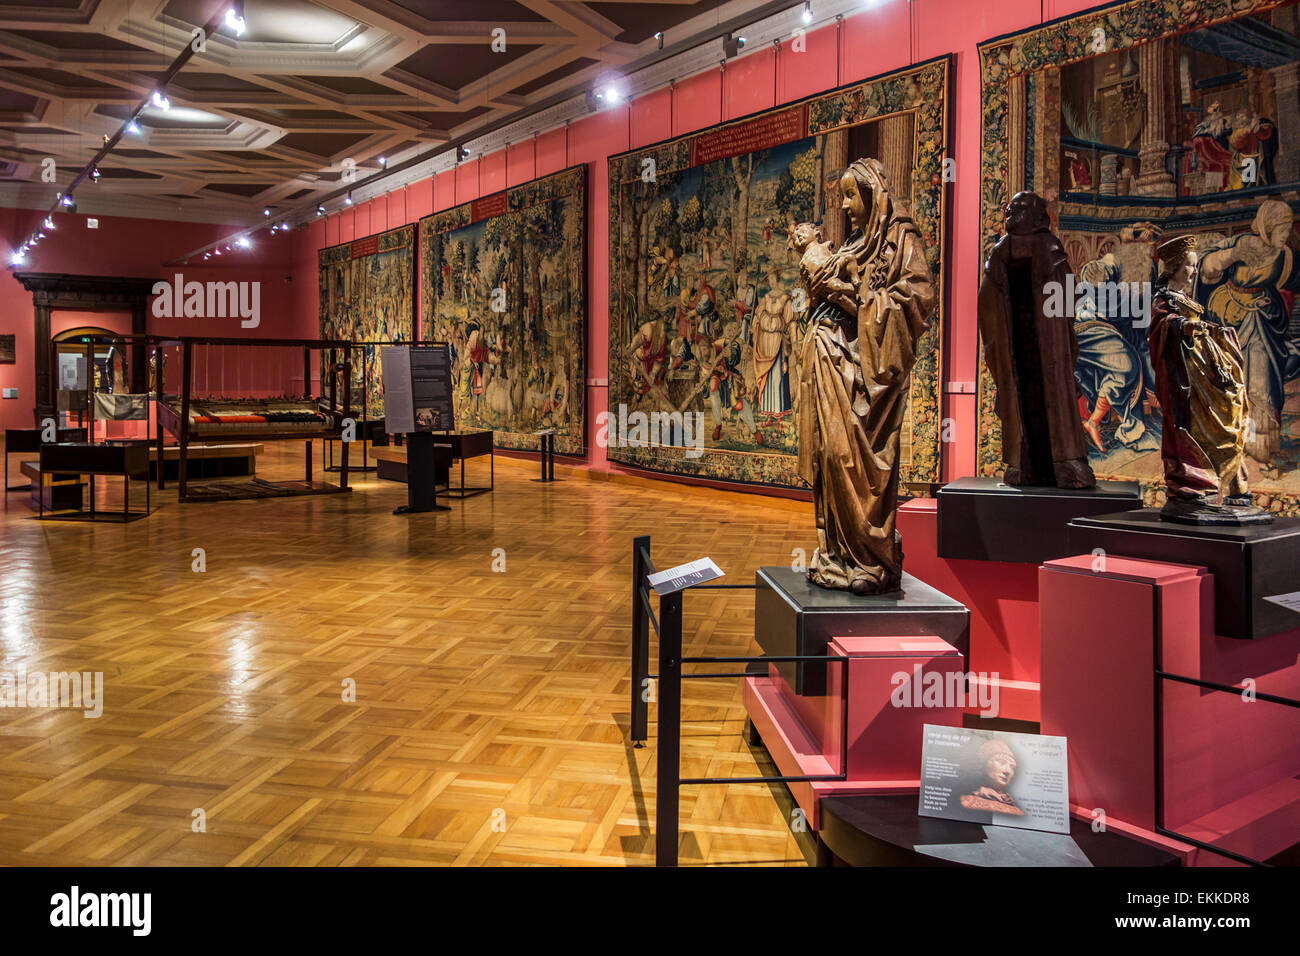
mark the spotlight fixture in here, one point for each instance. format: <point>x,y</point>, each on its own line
<point>320,210</point>
<point>732,45</point>
<point>383,162</point>
<point>659,38</point>
<point>49,223</point>
<point>207,256</point>
<point>94,174</point>
<point>284,227</point>
<point>133,127</point>
<point>807,11</point>
<point>69,203</point>
<point>463,153</point>
<point>347,200</point>
<point>106,139</point>
<point>41,234</point>
<point>243,242</point>
<point>235,17</point>
<point>18,258</point>
<point>266,212</point>
<point>216,252</point>
<point>160,101</point>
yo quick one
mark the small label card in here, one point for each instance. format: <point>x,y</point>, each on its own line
<point>684,576</point>
<point>1289,601</point>
<point>998,777</point>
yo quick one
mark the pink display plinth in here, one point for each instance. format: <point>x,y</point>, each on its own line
<point>879,713</point>
<point>1003,601</point>
<point>1229,765</point>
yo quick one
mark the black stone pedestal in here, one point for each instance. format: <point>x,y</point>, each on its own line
<point>793,616</point>
<point>1250,563</point>
<point>982,519</point>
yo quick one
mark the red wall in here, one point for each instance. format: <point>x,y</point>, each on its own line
<point>139,248</point>
<point>884,36</point>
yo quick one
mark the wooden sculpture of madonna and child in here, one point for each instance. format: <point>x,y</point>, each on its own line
<point>870,302</point>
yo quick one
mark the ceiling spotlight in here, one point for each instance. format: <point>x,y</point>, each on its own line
<point>49,223</point>
<point>106,139</point>
<point>659,38</point>
<point>807,11</point>
<point>266,212</point>
<point>40,235</point>
<point>235,17</point>
<point>347,200</point>
<point>216,252</point>
<point>462,154</point>
<point>383,162</point>
<point>69,203</point>
<point>133,127</point>
<point>243,242</point>
<point>320,210</point>
<point>18,258</point>
<point>284,227</point>
<point>160,101</point>
<point>94,174</point>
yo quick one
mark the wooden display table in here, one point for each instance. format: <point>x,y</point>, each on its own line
<point>208,461</point>
<point>28,441</point>
<point>468,445</point>
<point>60,492</point>
<point>127,459</point>
<point>390,462</point>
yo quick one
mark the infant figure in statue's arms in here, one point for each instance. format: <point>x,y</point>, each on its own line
<point>827,278</point>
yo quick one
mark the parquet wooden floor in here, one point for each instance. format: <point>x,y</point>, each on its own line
<point>490,713</point>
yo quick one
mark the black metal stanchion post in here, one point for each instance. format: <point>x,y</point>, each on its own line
<point>668,772</point>
<point>640,643</point>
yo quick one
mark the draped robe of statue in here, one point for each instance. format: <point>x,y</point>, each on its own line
<point>1200,381</point>
<point>855,366</point>
<point>1031,352</point>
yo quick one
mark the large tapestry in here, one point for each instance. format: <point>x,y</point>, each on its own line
<point>367,294</point>
<point>1139,122</point>
<point>706,312</point>
<point>503,281</point>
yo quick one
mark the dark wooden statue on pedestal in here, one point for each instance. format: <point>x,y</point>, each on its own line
<point>1201,384</point>
<point>1031,352</point>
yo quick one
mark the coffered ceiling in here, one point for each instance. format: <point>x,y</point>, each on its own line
<point>275,116</point>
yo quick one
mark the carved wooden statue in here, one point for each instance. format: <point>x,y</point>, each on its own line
<point>1201,384</point>
<point>1031,352</point>
<point>871,301</point>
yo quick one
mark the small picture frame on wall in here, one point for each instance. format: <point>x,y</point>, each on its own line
<point>8,349</point>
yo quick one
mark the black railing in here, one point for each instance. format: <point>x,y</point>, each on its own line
<point>668,628</point>
<point>1159,757</point>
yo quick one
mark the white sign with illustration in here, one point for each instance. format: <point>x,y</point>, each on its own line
<point>1002,778</point>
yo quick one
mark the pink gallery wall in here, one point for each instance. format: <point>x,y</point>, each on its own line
<point>885,35</point>
<point>140,248</point>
